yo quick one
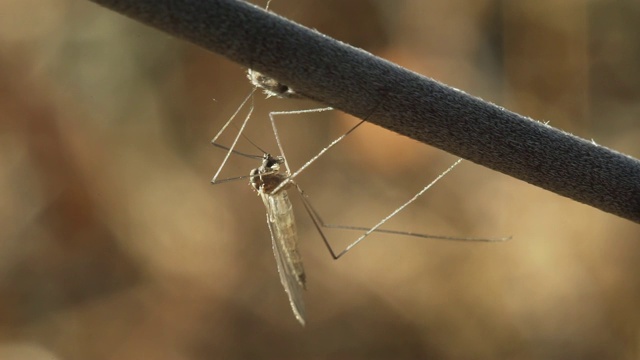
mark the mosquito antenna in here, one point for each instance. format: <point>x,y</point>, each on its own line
<point>250,156</point>
<point>254,144</point>
<point>249,140</point>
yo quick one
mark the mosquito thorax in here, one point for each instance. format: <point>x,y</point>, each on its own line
<point>267,177</point>
<point>270,86</point>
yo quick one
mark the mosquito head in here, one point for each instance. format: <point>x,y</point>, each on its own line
<point>272,162</point>
<point>267,177</point>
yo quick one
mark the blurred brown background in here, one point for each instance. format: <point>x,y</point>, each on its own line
<point>113,244</point>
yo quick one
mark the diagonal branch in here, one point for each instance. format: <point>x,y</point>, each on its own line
<point>361,84</point>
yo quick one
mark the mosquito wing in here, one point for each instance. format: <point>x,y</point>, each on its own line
<point>284,240</point>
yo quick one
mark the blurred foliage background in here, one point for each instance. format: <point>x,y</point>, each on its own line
<point>113,244</point>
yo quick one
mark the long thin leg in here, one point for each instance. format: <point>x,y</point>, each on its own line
<point>319,223</point>
<point>313,159</point>
<point>317,220</point>
<point>249,97</point>
<point>235,141</point>
<point>272,116</point>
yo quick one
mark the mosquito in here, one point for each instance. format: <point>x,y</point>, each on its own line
<point>271,183</point>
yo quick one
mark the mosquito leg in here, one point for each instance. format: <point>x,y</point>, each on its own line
<point>272,116</point>
<point>313,159</point>
<point>319,223</point>
<point>394,212</point>
<point>235,141</point>
<point>233,116</point>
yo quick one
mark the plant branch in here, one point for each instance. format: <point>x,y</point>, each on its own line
<point>388,95</point>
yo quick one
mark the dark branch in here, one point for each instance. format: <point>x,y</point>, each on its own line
<point>358,83</point>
